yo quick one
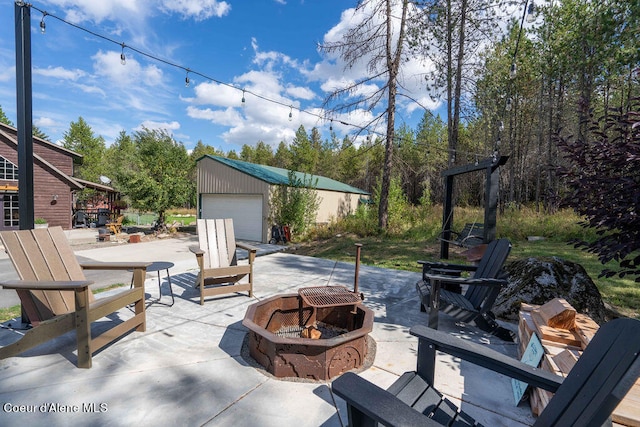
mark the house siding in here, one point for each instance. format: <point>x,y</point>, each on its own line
<point>46,182</point>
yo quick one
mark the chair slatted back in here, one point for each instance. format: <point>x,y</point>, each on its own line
<point>489,268</point>
<point>41,255</point>
<point>603,375</point>
<point>217,239</point>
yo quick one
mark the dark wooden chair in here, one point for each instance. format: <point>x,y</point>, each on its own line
<point>441,288</point>
<point>56,297</point>
<point>472,234</point>
<point>603,375</point>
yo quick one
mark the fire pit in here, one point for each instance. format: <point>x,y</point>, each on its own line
<point>277,326</point>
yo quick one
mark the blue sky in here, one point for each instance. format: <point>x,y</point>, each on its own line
<point>267,47</point>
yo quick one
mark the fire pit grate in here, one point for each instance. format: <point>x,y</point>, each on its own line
<point>328,296</point>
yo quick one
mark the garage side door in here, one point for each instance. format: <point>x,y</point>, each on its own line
<point>244,209</point>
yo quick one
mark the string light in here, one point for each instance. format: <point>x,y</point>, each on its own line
<point>531,13</point>
<point>43,25</point>
<point>186,80</point>
<point>244,103</point>
<point>513,71</point>
<point>508,106</point>
<point>204,76</point>
<point>331,126</point>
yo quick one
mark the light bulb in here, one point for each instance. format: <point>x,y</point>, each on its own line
<point>291,114</point>
<point>531,15</point>
<point>186,80</point>
<point>513,71</point>
<point>244,103</point>
<point>331,126</point>
<point>508,106</point>
<point>123,59</point>
<point>43,26</point>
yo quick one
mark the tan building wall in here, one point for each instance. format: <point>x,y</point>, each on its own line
<point>335,204</point>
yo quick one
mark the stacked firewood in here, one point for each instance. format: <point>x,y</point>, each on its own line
<point>564,334</point>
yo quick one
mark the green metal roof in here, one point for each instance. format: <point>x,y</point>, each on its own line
<point>279,176</point>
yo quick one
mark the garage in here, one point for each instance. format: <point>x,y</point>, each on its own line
<point>244,209</point>
<point>231,188</point>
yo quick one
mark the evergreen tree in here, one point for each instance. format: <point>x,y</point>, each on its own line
<point>263,154</point>
<point>303,156</point>
<point>3,118</point>
<point>282,158</point>
<point>80,138</point>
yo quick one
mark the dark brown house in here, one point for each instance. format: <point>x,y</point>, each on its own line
<point>53,182</point>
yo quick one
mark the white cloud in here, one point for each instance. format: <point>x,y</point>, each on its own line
<point>79,10</point>
<point>92,89</point>
<point>43,122</point>
<point>60,73</point>
<point>211,93</point>
<point>151,125</point>
<point>225,117</point>
<point>108,65</point>
<point>122,10</point>
<point>200,10</point>
<point>301,92</point>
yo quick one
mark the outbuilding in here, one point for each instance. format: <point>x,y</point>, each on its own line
<point>241,190</point>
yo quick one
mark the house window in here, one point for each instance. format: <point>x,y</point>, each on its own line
<point>8,170</point>
<point>11,213</point>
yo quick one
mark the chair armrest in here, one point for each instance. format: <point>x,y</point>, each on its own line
<point>114,265</point>
<point>483,356</point>
<point>376,403</point>
<point>196,250</point>
<point>246,247</point>
<point>466,280</point>
<point>51,285</point>
<point>428,265</point>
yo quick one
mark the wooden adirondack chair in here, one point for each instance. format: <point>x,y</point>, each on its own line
<point>482,289</point>
<point>603,375</point>
<point>216,256</point>
<point>55,294</point>
<point>116,226</point>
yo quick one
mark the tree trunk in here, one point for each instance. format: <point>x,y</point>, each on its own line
<point>393,65</point>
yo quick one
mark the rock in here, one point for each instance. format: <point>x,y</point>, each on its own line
<point>539,280</point>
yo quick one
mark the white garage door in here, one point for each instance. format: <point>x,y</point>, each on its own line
<point>244,209</point>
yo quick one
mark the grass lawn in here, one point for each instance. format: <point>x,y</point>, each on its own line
<point>622,294</point>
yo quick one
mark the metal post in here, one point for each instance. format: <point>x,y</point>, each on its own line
<point>24,113</point>
<point>447,217</point>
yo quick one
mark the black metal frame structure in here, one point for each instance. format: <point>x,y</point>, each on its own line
<point>490,166</point>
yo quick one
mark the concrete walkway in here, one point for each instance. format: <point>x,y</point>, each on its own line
<point>188,367</point>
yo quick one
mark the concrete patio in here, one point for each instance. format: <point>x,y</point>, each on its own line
<point>189,367</point>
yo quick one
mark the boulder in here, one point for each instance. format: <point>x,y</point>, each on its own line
<point>541,279</point>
